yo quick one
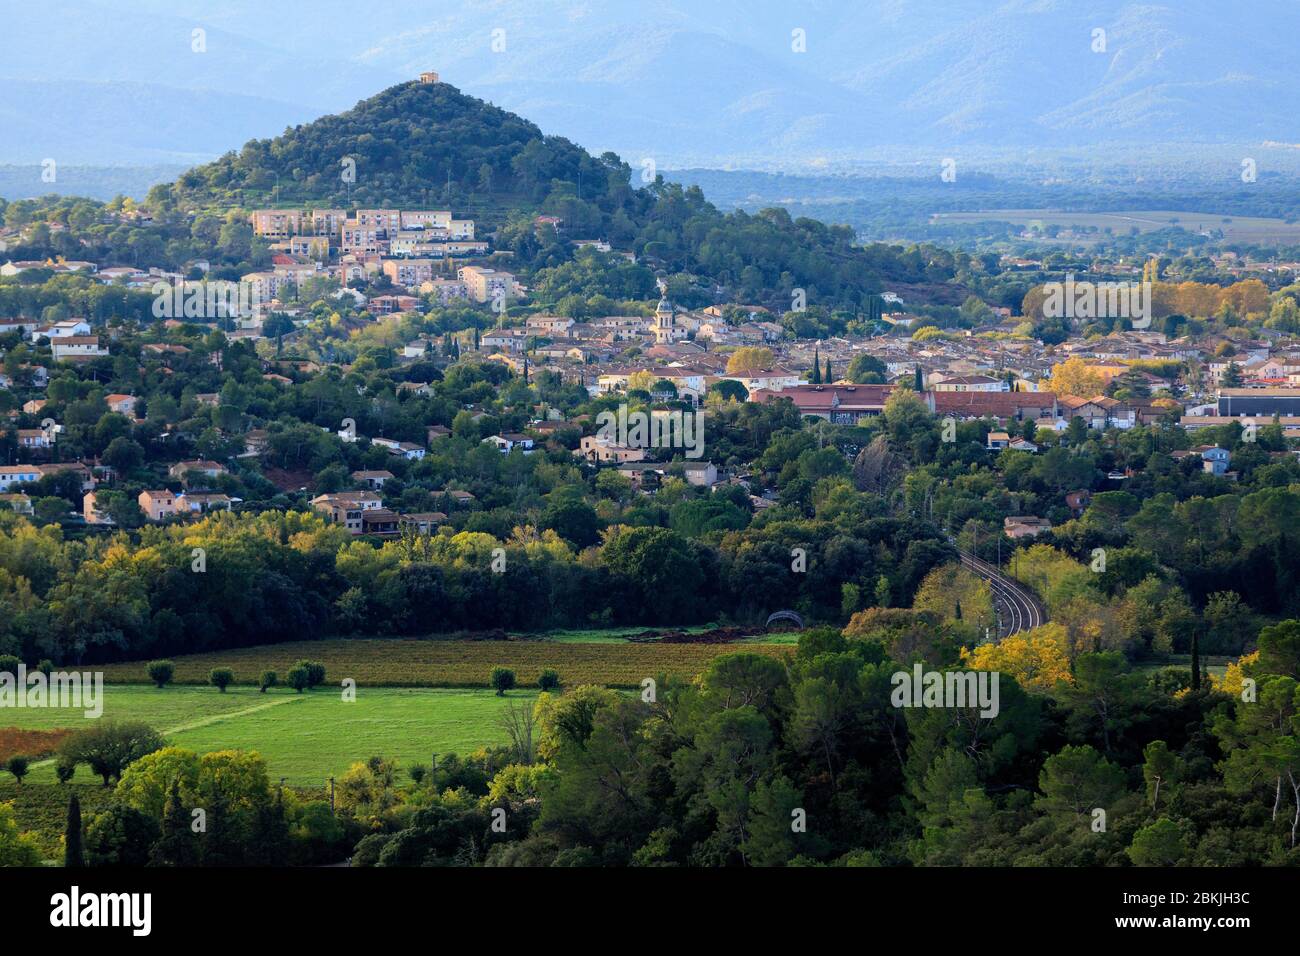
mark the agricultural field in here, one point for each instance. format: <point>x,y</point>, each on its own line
<point>304,737</point>
<point>41,809</point>
<point>390,662</point>
<point>1235,228</point>
<point>415,699</point>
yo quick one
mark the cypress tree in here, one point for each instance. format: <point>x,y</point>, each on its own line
<point>220,845</point>
<point>1196,660</point>
<point>816,377</point>
<point>72,855</point>
<point>176,846</point>
<point>269,845</point>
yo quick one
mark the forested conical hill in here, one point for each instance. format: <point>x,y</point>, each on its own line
<point>430,145</point>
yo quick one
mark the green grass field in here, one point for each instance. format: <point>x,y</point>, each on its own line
<point>304,737</point>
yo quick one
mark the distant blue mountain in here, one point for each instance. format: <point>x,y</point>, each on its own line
<point>678,81</point>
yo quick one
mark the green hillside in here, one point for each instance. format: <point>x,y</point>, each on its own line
<point>417,145</point>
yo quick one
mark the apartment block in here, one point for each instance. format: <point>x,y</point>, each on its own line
<point>276,223</point>
<point>409,272</point>
<point>486,285</point>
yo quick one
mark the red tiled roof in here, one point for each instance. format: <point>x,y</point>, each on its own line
<point>998,404</point>
<point>806,397</point>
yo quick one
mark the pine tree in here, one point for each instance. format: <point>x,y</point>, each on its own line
<point>72,855</point>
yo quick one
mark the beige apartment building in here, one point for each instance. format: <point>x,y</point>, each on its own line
<point>485,285</point>
<point>276,223</point>
<point>409,272</point>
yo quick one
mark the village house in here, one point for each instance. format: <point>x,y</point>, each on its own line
<point>424,522</point>
<point>90,510</point>
<point>703,474</point>
<point>1002,406</point>
<point>157,505</point>
<point>256,441</point>
<point>549,326</point>
<point>1078,501</point>
<point>971,383</point>
<point>11,475</point>
<point>203,502</point>
<point>76,348</point>
<point>839,404</point>
<point>380,521</point>
<point>33,438</point>
<point>374,480</point>
<point>390,304</point>
<point>84,474</point>
<point>699,473</point>
<point>507,340</point>
<point>208,469</point>
<point>769,379</point>
<point>17,503</point>
<point>1214,460</point>
<point>347,507</point>
<point>122,404</point>
<point>419,348</point>
<point>598,450</point>
<point>408,450</point>
<point>510,441</point>
<point>67,329</point>
<point>1025,526</point>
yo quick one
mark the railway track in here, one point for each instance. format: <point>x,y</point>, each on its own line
<point>1017,608</point>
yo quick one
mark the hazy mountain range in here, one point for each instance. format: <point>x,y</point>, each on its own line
<point>104,82</point>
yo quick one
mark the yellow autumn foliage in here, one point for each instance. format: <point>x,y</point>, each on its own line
<point>1036,659</point>
<point>951,586</point>
<point>1232,680</point>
